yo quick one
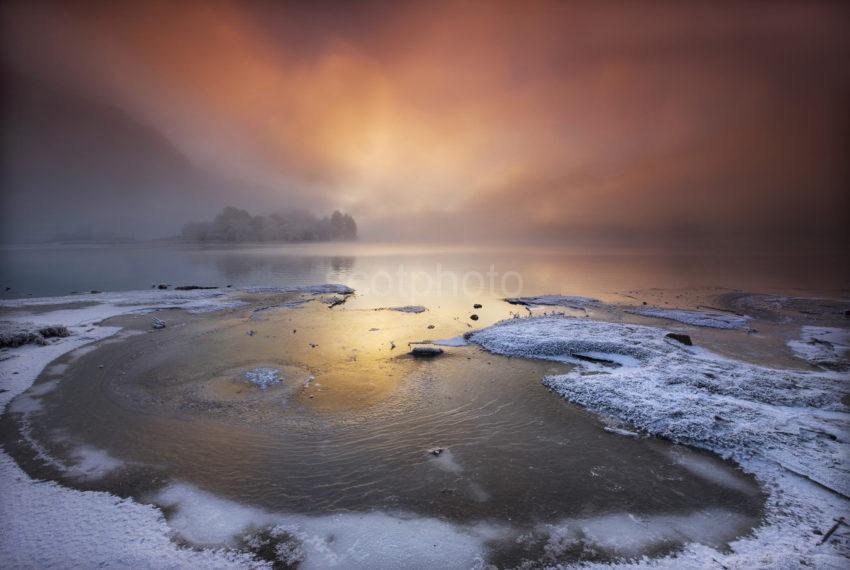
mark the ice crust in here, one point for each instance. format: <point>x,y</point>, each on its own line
<point>789,428</point>
<point>711,319</point>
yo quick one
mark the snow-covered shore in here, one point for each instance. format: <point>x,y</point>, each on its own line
<point>788,428</point>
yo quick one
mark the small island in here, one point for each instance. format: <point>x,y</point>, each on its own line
<point>238,226</point>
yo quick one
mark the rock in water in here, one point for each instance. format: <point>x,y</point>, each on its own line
<point>683,338</point>
<point>158,323</point>
<point>54,331</point>
<point>191,287</point>
<point>428,351</point>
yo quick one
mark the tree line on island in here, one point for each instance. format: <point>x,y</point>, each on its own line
<point>236,225</point>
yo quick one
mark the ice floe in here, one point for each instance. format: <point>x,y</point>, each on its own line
<point>711,319</point>
<point>823,346</point>
<point>571,301</point>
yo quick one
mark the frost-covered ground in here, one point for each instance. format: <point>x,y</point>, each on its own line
<point>788,428</point>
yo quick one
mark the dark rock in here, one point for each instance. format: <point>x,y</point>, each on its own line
<point>437,451</point>
<point>474,317</point>
<point>188,287</point>
<point>162,286</point>
<point>428,351</point>
<point>337,300</point>
<point>683,338</point>
<point>430,326</point>
<point>95,292</point>
<point>158,323</point>
<point>477,306</point>
<point>54,331</point>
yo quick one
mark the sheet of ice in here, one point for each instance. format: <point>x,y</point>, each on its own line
<point>572,301</point>
<point>453,341</point>
<point>711,319</point>
<point>346,540</point>
<point>626,535</point>
<point>406,309</point>
<point>823,346</point>
<point>264,377</point>
<point>774,423</point>
<point>93,463</point>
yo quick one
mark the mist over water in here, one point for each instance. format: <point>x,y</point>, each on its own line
<point>407,273</point>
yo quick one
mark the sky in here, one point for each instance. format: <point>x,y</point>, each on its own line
<point>657,124</point>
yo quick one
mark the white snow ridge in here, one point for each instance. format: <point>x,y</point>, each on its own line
<point>788,428</point>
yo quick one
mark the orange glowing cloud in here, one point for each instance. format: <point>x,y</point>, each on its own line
<point>541,119</point>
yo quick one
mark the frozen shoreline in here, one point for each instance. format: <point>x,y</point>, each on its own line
<point>137,534</point>
<point>787,428</point>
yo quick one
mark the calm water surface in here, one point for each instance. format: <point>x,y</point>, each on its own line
<point>406,272</point>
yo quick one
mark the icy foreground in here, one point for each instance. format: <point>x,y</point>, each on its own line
<point>788,428</point>
<point>660,386</point>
